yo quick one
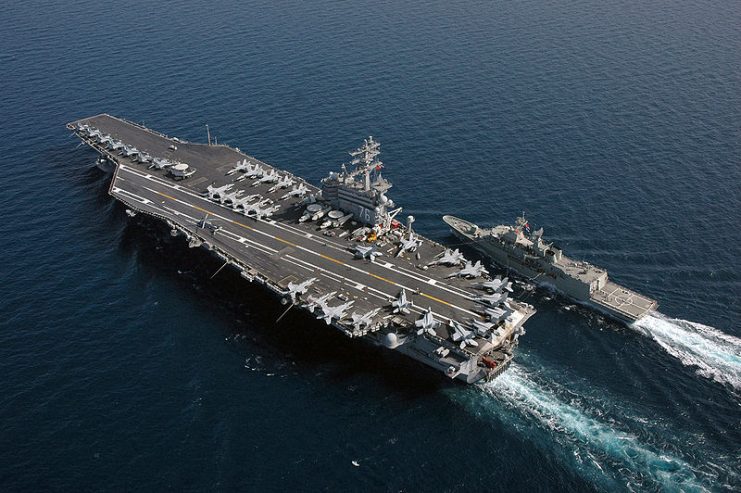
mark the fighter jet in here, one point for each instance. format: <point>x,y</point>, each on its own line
<point>492,299</point>
<point>271,177</point>
<point>117,145</point>
<point>242,166</point>
<point>449,257</point>
<point>471,270</point>
<point>215,193</point>
<point>482,328</point>
<point>496,285</point>
<point>130,151</point>
<point>299,191</point>
<point>408,245</point>
<point>401,304</point>
<point>144,158</point>
<point>255,171</point>
<point>261,209</point>
<point>321,301</point>
<point>262,213</point>
<point>299,289</point>
<point>366,251</point>
<point>427,323</point>
<point>330,313</point>
<point>242,202</point>
<point>497,314</point>
<point>283,183</point>
<point>359,320</point>
<point>159,163</point>
<point>464,336</point>
<point>230,198</point>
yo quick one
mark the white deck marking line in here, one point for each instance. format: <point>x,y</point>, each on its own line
<point>402,286</point>
<point>134,196</point>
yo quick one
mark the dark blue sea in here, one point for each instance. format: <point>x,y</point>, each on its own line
<point>614,125</point>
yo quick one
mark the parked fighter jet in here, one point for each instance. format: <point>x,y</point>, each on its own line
<point>482,328</point>
<point>298,191</point>
<point>255,171</point>
<point>159,163</point>
<point>471,270</point>
<point>401,304</point>
<point>449,257</point>
<point>241,203</point>
<point>330,313</point>
<point>242,166</point>
<point>496,285</point>
<point>283,183</point>
<point>492,299</point>
<point>366,251</point>
<point>313,303</point>
<point>270,177</point>
<point>427,323</point>
<point>262,213</point>
<point>409,244</point>
<point>299,289</point>
<point>251,209</point>
<point>215,193</point>
<point>230,198</point>
<point>497,314</point>
<point>129,151</point>
<point>359,320</point>
<point>464,336</point>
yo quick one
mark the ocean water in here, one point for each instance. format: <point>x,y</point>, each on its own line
<point>615,125</point>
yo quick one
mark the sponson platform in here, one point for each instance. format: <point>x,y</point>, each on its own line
<point>371,277</point>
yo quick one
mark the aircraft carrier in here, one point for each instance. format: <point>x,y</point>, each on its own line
<point>337,251</point>
<point>517,248</point>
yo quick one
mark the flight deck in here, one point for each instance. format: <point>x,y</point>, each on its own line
<point>279,231</point>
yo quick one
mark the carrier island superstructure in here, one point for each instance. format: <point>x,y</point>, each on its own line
<point>337,252</point>
<point>523,251</point>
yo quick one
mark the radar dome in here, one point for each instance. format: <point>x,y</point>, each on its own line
<point>390,341</point>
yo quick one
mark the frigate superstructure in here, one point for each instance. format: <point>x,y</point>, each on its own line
<point>338,252</point>
<point>523,251</point>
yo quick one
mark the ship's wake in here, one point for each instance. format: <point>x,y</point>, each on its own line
<point>715,354</point>
<point>604,444</point>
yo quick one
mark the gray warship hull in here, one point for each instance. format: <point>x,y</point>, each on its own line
<point>602,295</point>
<point>278,250</point>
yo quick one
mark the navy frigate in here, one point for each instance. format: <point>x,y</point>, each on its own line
<point>523,251</point>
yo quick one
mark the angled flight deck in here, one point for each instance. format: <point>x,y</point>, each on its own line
<point>351,264</point>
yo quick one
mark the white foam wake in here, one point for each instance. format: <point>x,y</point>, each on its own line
<point>589,437</point>
<point>715,354</point>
